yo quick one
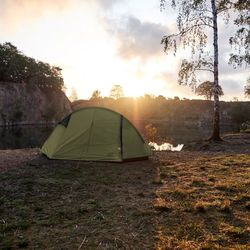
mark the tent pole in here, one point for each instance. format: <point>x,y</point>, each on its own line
<point>121,137</point>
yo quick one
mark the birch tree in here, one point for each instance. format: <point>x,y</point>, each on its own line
<point>193,21</point>
<point>241,40</point>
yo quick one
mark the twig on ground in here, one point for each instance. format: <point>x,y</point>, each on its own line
<point>82,243</point>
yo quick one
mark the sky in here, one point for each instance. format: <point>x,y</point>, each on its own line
<point>102,43</point>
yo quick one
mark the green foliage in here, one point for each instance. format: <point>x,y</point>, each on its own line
<point>15,67</point>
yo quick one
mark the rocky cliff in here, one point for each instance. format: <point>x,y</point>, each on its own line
<point>28,104</point>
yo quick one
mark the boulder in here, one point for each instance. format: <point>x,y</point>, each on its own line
<point>28,104</point>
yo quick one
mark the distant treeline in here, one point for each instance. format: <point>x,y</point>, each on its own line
<point>171,110</point>
<point>15,67</point>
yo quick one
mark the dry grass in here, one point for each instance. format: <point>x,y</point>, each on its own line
<point>202,203</point>
<point>209,202</point>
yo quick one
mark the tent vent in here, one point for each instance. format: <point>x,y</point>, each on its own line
<point>65,121</point>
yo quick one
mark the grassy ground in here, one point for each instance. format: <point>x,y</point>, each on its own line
<point>202,203</point>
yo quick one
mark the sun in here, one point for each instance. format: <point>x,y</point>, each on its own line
<point>133,94</point>
<point>134,90</point>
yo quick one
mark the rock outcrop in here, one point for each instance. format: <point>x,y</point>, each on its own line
<point>28,104</point>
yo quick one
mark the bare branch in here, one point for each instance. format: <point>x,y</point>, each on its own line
<point>204,69</point>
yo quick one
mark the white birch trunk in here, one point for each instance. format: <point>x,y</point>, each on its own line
<point>216,129</point>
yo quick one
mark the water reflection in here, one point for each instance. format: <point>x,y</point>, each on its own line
<point>183,133</point>
<point>32,136</point>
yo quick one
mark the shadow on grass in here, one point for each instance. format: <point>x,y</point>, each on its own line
<point>59,204</point>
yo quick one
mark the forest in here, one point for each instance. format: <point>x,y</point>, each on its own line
<point>193,112</point>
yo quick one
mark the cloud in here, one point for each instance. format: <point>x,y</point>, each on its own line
<point>135,38</point>
<point>107,4</point>
<point>169,78</point>
<point>232,88</point>
<point>15,13</point>
<point>171,88</point>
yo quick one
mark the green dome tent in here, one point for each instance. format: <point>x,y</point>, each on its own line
<point>96,134</point>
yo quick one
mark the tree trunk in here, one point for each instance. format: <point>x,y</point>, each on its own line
<point>216,130</point>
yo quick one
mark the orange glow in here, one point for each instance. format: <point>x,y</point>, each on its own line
<point>135,111</point>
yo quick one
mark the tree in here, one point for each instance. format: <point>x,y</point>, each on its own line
<point>247,89</point>
<point>15,67</point>
<point>206,89</point>
<point>116,92</point>
<point>147,96</point>
<point>241,40</point>
<point>193,19</point>
<point>96,94</point>
<point>161,98</point>
<point>235,99</point>
<point>239,113</point>
<point>73,97</point>
<point>12,64</point>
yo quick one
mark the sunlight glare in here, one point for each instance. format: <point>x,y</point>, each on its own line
<point>133,90</point>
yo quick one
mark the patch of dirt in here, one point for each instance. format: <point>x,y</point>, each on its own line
<point>230,144</point>
<point>10,157</point>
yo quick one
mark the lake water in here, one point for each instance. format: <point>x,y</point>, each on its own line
<point>33,136</point>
